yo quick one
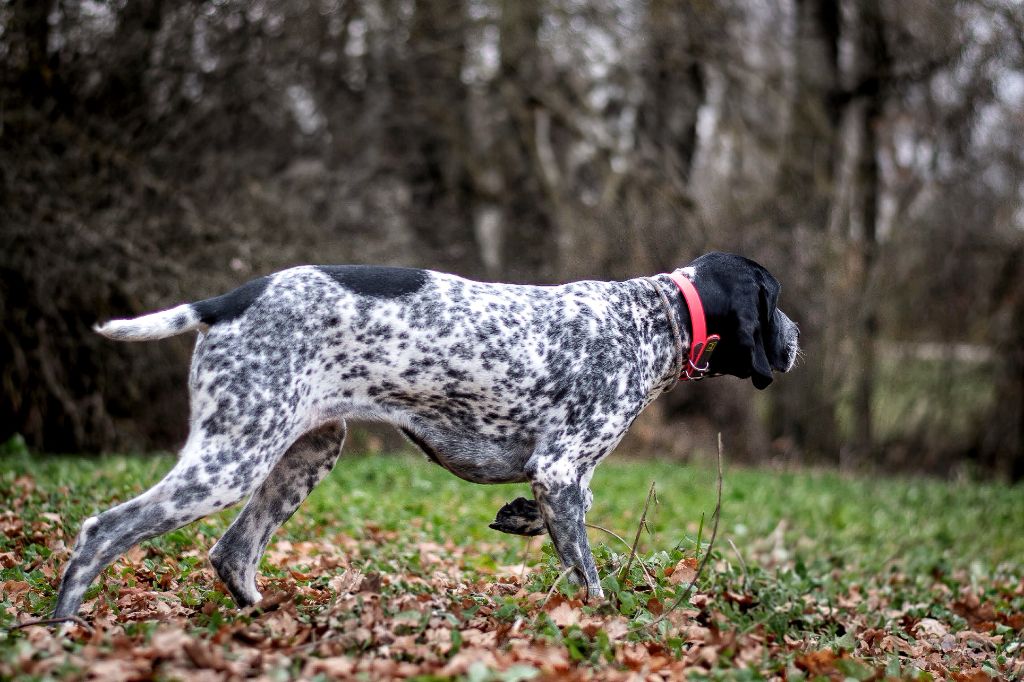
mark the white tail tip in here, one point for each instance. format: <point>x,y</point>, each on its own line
<point>154,326</point>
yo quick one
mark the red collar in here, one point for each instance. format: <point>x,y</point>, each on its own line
<point>701,345</point>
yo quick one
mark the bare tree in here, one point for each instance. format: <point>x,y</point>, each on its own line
<point>806,409</point>
<point>866,150</point>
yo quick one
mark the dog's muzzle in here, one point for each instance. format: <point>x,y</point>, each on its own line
<point>790,341</point>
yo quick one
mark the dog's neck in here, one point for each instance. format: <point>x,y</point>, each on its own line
<point>665,310</point>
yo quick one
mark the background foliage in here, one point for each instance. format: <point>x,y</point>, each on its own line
<point>866,151</point>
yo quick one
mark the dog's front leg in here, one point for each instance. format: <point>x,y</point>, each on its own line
<point>563,505</point>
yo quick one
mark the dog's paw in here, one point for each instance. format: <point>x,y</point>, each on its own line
<point>520,517</point>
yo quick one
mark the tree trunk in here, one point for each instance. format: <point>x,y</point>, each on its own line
<point>875,64</point>
<point>804,406</point>
<point>866,323</point>
<point>29,25</point>
<point>527,224</point>
<point>674,90</point>
<point>433,137</point>
<point>125,91</point>
<point>1001,446</point>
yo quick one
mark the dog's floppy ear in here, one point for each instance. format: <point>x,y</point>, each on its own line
<point>753,326</point>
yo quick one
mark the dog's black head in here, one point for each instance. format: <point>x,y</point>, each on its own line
<point>740,299</point>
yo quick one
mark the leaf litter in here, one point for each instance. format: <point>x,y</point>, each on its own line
<point>399,604</point>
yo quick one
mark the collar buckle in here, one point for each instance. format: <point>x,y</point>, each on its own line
<point>698,365</point>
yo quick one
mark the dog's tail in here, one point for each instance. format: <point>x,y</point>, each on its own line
<point>186,317</point>
<point>159,325</point>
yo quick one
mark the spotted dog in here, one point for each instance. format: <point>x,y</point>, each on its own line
<point>497,383</point>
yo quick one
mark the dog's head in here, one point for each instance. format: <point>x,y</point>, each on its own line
<point>740,304</point>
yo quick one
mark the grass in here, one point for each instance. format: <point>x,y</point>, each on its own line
<point>805,562</point>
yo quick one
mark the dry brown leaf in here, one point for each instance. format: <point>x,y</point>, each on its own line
<point>742,600</point>
<point>979,639</point>
<point>478,638</point>
<point>118,669</point>
<point>1014,620</point>
<point>616,627</point>
<point>816,662</point>
<point>14,588</point>
<point>633,656</point>
<point>564,615</point>
<point>892,643</point>
<point>204,655</point>
<point>165,643</point>
<point>372,582</point>
<point>460,662</point>
<point>550,660</point>
<point>683,572</point>
<point>929,627</point>
<point>347,582</point>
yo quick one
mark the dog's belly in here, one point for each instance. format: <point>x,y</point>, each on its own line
<point>472,457</point>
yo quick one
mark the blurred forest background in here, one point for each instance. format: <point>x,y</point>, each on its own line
<point>868,152</point>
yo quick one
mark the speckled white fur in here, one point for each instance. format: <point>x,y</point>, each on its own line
<point>495,382</point>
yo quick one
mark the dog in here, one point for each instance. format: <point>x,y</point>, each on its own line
<point>498,383</point>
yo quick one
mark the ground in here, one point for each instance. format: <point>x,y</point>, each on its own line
<point>390,571</point>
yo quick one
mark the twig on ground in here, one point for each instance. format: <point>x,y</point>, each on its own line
<point>636,540</point>
<point>526,555</point>
<point>707,555</point>
<point>647,573</point>
<point>554,585</point>
<point>52,621</point>
<point>314,643</point>
<point>610,532</point>
<point>743,565</point>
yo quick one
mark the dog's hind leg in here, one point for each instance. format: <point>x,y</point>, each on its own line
<point>212,474</point>
<point>236,555</point>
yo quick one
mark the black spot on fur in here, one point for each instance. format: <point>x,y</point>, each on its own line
<point>376,280</point>
<point>232,304</point>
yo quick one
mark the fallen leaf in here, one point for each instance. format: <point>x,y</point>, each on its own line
<point>929,627</point>
<point>349,581</point>
<point>816,662</point>
<point>564,615</point>
<point>683,572</point>
<point>332,667</point>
